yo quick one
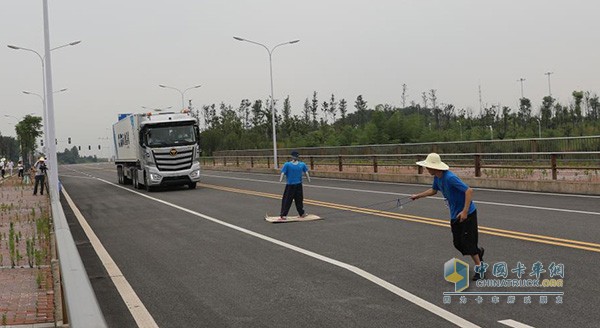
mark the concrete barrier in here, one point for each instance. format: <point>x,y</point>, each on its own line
<point>558,186</point>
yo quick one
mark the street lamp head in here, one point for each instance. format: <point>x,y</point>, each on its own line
<point>235,37</point>
<point>13,47</point>
<point>61,90</point>
<point>27,92</point>
<point>295,41</point>
<point>199,85</point>
<point>75,42</point>
<point>162,86</point>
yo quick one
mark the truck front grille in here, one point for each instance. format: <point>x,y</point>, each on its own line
<point>173,159</point>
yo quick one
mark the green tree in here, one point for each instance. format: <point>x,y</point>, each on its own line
<point>524,114</point>
<point>578,98</point>
<point>306,112</point>
<point>9,147</point>
<point>343,109</point>
<point>28,130</point>
<point>314,106</point>
<point>333,107</point>
<point>546,110</point>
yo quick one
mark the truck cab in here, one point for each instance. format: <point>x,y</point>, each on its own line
<point>165,153</point>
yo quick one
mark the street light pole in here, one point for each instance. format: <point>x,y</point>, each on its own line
<point>549,89</point>
<point>42,60</point>
<point>521,80</point>
<point>491,132</point>
<point>181,92</point>
<point>539,127</point>
<point>270,52</point>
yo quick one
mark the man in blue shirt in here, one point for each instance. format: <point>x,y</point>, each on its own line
<point>463,214</point>
<point>293,171</point>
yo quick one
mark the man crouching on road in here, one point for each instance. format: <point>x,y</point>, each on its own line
<point>458,197</point>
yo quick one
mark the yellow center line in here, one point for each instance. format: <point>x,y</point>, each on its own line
<point>593,247</point>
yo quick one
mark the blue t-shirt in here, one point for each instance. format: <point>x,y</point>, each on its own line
<point>293,172</point>
<point>453,190</point>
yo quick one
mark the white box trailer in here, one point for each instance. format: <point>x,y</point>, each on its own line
<point>157,149</point>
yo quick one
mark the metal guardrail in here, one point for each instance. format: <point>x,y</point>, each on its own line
<point>552,162</point>
<point>558,144</point>
<point>82,306</point>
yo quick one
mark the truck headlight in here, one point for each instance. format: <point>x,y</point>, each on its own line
<point>155,176</point>
<point>195,174</point>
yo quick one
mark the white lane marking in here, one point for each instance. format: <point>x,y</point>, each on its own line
<point>421,185</point>
<point>514,324</point>
<point>76,176</point>
<point>362,273</point>
<point>431,197</point>
<point>140,314</point>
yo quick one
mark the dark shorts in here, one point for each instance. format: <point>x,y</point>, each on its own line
<point>465,234</point>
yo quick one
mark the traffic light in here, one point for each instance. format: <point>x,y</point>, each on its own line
<point>69,140</point>
<point>56,141</point>
<point>79,147</point>
<point>42,142</point>
<point>98,147</point>
<point>89,147</point>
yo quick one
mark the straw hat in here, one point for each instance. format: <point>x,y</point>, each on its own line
<point>433,161</point>
<point>42,158</point>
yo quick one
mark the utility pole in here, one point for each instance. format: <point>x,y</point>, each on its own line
<point>549,89</point>
<point>521,80</point>
<point>404,88</point>
<point>480,101</point>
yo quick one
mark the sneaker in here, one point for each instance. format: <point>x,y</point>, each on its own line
<point>481,252</point>
<point>282,218</point>
<point>304,215</point>
<point>476,276</point>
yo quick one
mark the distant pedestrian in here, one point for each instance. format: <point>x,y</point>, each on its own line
<point>3,167</point>
<point>458,197</point>
<point>40,174</point>
<point>293,171</point>
<point>20,169</point>
<point>11,164</point>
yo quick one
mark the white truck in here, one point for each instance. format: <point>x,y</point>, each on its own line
<point>157,149</point>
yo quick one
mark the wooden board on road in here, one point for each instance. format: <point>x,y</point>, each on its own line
<point>310,217</point>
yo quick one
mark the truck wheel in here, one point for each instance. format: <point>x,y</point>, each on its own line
<point>192,185</point>
<point>136,183</point>
<point>126,180</point>
<point>120,174</point>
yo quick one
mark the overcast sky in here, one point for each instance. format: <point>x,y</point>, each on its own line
<point>346,48</point>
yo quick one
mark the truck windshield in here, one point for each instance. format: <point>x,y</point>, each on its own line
<point>167,136</point>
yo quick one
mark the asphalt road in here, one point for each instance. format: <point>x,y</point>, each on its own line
<point>207,258</point>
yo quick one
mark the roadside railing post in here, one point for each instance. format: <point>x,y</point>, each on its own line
<point>478,166</point>
<point>237,161</point>
<point>374,164</point>
<point>251,161</point>
<point>224,161</point>
<point>419,167</point>
<point>312,163</point>
<point>268,162</point>
<point>214,161</point>
<point>340,168</point>
<point>553,164</point>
